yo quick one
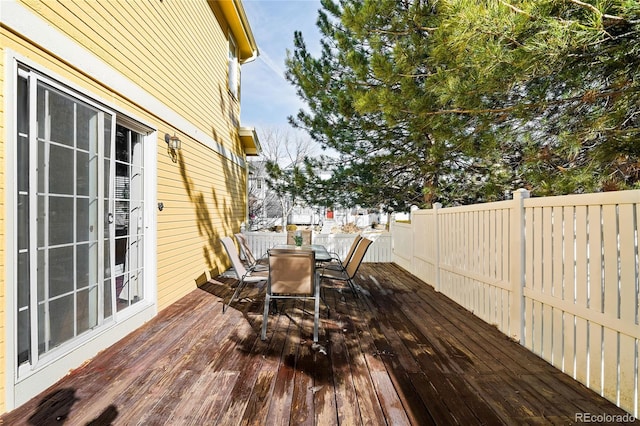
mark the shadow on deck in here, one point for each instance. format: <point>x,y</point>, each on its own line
<point>398,354</point>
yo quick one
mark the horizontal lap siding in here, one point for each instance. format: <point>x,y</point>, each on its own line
<point>145,41</point>
<point>203,198</point>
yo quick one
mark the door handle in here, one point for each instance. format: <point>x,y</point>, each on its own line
<point>110,218</point>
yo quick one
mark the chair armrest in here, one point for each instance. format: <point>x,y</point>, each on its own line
<point>335,265</point>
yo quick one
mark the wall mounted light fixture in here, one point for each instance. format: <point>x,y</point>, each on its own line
<point>173,142</point>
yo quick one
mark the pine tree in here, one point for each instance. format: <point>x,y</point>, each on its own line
<point>460,101</point>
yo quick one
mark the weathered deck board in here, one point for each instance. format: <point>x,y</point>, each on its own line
<point>398,354</point>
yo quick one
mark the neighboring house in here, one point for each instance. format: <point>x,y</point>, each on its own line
<point>265,207</point>
<point>306,215</point>
<point>104,221</point>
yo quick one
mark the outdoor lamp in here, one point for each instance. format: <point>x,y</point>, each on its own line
<point>173,142</point>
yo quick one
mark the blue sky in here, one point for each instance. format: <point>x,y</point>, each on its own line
<point>267,98</point>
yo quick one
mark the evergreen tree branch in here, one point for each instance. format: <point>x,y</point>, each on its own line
<point>515,9</point>
<point>588,97</point>
<point>596,10</point>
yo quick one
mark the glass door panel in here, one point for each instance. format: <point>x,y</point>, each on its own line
<point>129,216</point>
<point>68,215</point>
<point>61,208</point>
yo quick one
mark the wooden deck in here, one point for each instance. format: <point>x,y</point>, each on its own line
<point>399,354</point>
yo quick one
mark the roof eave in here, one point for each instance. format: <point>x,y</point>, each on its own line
<point>250,142</point>
<point>239,24</point>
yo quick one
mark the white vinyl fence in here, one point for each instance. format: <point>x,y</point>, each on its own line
<point>379,251</point>
<point>558,274</point>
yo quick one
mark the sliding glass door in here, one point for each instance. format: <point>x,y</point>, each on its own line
<point>79,208</point>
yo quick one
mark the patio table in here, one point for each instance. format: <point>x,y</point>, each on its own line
<point>322,254</point>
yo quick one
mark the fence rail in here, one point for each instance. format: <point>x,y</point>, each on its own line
<point>559,274</point>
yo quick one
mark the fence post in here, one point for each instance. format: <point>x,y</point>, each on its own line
<point>436,207</point>
<point>412,235</point>
<point>517,263</point>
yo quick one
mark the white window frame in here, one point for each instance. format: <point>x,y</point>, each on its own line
<point>233,73</point>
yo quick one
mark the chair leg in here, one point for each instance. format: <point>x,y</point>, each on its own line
<point>353,288</point>
<point>322,290</point>
<point>235,294</point>
<point>265,316</point>
<point>316,313</point>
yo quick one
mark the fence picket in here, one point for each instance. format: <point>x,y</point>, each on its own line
<point>492,240</point>
<point>547,250</point>
<point>581,286</point>
<point>569,283</point>
<point>581,349</point>
<point>537,325</point>
<point>595,357</point>
<point>569,350</point>
<point>610,263</point>
<point>581,259</point>
<point>506,254</point>
<point>628,271</point>
<point>628,372</point>
<point>558,257</point>
<point>557,344</point>
<point>610,365</point>
<point>547,336</point>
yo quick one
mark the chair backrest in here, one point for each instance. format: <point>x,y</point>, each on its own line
<point>244,246</point>
<point>292,271</point>
<point>305,234</point>
<point>232,252</point>
<point>354,244</point>
<point>356,259</point>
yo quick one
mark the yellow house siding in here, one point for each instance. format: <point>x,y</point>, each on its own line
<point>203,196</point>
<point>143,39</point>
